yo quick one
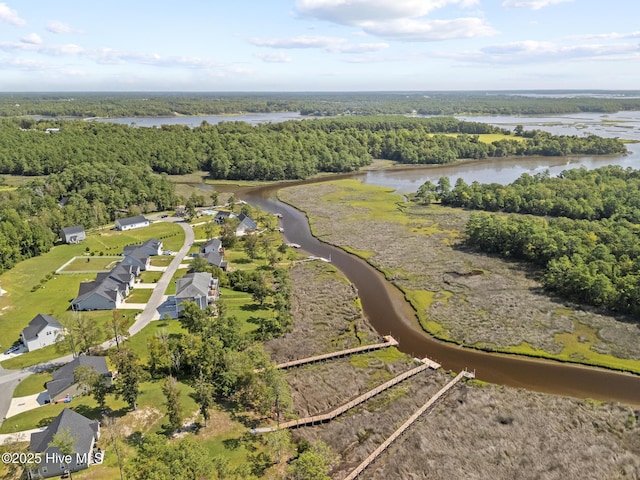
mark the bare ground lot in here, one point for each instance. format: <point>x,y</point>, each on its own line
<point>477,432</point>
<point>459,295</point>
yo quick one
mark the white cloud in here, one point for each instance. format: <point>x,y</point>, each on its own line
<point>10,16</point>
<point>58,27</point>
<point>32,38</point>
<point>544,52</point>
<point>606,36</point>
<point>430,30</point>
<point>329,44</point>
<point>296,42</point>
<point>532,4</point>
<point>277,57</point>
<point>398,19</point>
<point>352,12</point>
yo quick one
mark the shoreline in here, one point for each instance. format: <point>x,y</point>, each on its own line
<point>418,325</point>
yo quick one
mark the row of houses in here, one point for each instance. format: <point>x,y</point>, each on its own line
<point>109,289</point>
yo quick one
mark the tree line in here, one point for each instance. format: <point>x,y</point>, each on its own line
<point>287,150</point>
<point>581,229</point>
<point>317,104</point>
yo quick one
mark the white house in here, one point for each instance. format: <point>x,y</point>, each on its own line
<point>132,222</point>
<point>41,332</point>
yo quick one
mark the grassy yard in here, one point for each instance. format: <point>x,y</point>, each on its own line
<point>161,260</point>
<point>242,306</point>
<point>33,384</point>
<point>83,264</point>
<point>171,288</point>
<point>140,295</point>
<point>138,343</point>
<point>150,277</point>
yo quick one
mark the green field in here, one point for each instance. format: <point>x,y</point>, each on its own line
<point>171,288</point>
<point>83,264</point>
<point>139,295</point>
<point>33,384</point>
<point>150,277</point>
<point>161,260</point>
<point>487,137</point>
<point>242,306</point>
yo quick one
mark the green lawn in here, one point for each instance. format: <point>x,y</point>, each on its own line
<point>138,343</point>
<point>242,306</point>
<point>161,260</point>
<point>171,288</point>
<point>83,264</point>
<point>150,277</point>
<point>33,384</point>
<point>140,295</point>
<point>200,232</point>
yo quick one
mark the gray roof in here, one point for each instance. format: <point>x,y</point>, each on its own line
<point>107,288</point>
<point>193,285</point>
<point>214,244</point>
<point>247,222</point>
<point>63,377</point>
<point>37,324</point>
<point>151,247</point>
<point>131,220</point>
<point>72,230</point>
<point>214,258</point>
<point>81,428</point>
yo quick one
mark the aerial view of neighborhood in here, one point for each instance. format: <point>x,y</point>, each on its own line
<point>319,240</point>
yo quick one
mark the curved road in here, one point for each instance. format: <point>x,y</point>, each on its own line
<point>9,379</point>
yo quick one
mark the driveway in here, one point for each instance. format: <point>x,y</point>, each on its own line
<point>150,312</point>
<point>23,404</point>
<point>23,436</point>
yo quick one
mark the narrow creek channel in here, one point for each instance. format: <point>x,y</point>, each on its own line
<point>389,313</point>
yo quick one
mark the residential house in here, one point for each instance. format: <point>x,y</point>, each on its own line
<point>42,331</point>
<point>138,258</point>
<point>121,273</point>
<point>63,384</point>
<point>213,252</point>
<point>132,222</point>
<point>73,234</point>
<point>200,288</point>
<point>150,247</point>
<point>221,216</point>
<point>247,224</point>
<point>85,434</point>
<point>105,294</point>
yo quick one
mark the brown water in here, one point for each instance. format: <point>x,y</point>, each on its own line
<point>389,313</point>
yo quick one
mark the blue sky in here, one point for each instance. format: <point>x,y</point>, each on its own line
<point>318,45</point>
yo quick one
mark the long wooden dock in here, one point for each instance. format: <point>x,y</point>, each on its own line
<point>316,419</point>
<point>378,451</point>
<point>389,342</point>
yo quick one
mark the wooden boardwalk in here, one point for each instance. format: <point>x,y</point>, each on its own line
<point>389,342</point>
<point>378,451</point>
<point>316,419</point>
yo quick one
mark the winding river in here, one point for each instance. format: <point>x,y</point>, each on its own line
<point>389,313</point>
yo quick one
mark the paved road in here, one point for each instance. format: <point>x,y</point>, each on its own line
<point>151,310</point>
<point>9,379</point>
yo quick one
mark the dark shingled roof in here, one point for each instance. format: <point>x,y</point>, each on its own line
<point>132,220</point>
<point>38,324</point>
<point>63,377</point>
<point>247,222</point>
<point>73,230</point>
<point>81,428</point>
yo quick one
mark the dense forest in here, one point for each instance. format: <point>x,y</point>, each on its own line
<point>582,230</point>
<point>287,150</point>
<point>316,104</point>
<point>92,173</point>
